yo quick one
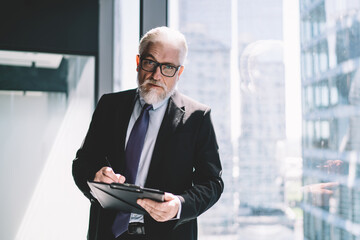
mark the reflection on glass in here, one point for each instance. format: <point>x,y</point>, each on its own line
<point>330,176</point>
<point>315,196</point>
<point>236,48</point>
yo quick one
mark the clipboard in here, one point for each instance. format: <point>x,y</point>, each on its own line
<point>118,196</point>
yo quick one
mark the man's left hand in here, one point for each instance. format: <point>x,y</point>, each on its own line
<point>161,211</point>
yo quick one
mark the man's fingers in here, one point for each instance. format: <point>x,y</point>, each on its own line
<point>326,191</point>
<point>168,196</point>
<point>154,209</point>
<point>120,178</point>
<point>107,175</point>
<point>161,211</point>
<point>330,184</point>
<point>99,177</point>
<point>148,204</point>
<point>108,172</point>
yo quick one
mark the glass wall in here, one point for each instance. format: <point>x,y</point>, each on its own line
<point>244,62</point>
<point>46,102</point>
<point>236,65</point>
<point>330,40</point>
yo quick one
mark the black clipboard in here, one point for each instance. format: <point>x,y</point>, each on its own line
<point>123,197</point>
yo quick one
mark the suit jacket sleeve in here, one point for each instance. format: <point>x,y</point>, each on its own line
<point>90,158</point>
<point>207,183</point>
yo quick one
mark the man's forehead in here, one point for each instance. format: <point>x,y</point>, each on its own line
<point>162,51</point>
<point>162,45</point>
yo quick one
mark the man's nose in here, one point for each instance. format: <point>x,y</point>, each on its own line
<point>157,73</point>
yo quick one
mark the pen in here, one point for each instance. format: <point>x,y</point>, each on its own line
<point>107,162</point>
<point>109,165</point>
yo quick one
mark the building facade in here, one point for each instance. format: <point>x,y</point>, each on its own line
<point>330,52</point>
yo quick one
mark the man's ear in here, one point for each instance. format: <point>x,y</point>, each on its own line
<point>137,62</point>
<point>181,70</point>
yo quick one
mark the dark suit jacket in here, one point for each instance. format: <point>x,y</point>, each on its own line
<point>185,162</point>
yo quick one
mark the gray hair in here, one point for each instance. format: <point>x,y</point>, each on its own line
<point>165,34</point>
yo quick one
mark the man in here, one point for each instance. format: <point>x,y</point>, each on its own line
<point>179,154</point>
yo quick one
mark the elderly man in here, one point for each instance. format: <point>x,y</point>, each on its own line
<point>155,137</point>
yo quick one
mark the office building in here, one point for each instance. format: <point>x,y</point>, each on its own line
<point>330,39</point>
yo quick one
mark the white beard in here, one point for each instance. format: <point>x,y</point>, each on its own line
<point>151,95</point>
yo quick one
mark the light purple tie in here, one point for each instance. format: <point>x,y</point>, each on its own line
<point>132,157</point>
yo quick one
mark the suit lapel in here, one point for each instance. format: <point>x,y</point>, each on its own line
<point>124,113</point>
<point>172,119</point>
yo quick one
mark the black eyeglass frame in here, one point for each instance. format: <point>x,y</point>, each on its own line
<point>157,64</point>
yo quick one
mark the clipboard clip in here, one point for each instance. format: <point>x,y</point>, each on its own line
<point>126,186</point>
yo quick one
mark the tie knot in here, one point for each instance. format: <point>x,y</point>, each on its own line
<point>147,107</point>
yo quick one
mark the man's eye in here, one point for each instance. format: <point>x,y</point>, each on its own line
<point>169,67</point>
<point>148,62</point>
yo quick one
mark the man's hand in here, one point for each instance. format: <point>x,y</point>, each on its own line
<point>321,188</point>
<point>161,211</point>
<point>107,175</point>
<point>320,193</point>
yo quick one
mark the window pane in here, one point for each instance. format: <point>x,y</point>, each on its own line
<point>46,101</point>
<point>236,66</point>
<point>330,201</point>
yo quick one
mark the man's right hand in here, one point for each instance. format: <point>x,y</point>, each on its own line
<point>107,175</point>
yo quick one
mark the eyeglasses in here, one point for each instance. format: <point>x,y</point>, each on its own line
<point>167,70</point>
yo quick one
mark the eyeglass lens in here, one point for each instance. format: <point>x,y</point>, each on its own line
<point>165,69</point>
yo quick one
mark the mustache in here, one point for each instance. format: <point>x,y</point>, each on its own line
<point>153,82</point>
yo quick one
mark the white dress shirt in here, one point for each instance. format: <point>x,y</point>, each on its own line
<point>156,117</point>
